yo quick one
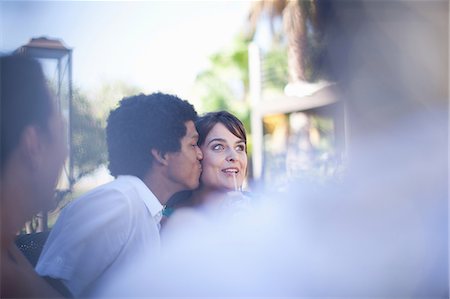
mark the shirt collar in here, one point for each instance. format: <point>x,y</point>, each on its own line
<point>151,202</point>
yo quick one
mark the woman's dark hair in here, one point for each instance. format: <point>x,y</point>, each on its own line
<point>145,122</point>
<point>25,100</point>
<point>205,123</point>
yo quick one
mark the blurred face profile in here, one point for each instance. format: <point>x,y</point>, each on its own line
<point>54,153</point>
<point>184,166</point>
<point>224,159</point>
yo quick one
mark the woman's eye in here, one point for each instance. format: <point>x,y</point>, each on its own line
<point>240,148</point>
<point>218,147</point>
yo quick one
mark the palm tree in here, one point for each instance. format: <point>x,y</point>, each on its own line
<point>303,22</point>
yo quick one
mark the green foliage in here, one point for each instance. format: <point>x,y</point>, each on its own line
<point>89,148</point>
<point>325,128</point>
<point>88,138</point>
<point>225,84</point>
<point>306,38</point>
<point>108,96</point>
<point>214,92</point>
<point>275,68</point>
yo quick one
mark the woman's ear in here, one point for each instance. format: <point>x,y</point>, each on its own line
<point>159,157</point>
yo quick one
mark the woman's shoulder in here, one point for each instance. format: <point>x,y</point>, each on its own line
<point>176,202</point>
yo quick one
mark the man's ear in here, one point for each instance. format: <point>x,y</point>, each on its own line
<point>31,146</point>
<point>159,157</point>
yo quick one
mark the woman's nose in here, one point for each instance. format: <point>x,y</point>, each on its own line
<point>231,155</point>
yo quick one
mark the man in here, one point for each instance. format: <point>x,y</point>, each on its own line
<point>153,153</point>
<point>33,150</point>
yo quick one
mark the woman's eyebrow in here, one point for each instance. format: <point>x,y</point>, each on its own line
<point>217,139</point>
<point>223,140</point>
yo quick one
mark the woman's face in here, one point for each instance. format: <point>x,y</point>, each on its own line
<point>224,159</point>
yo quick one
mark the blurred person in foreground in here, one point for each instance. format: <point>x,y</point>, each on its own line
<point>223,142</point>
<point>153,153</point>
<point>380,230</point>
<point>33,150</point>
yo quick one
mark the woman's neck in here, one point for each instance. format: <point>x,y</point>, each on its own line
<point>204,195</point>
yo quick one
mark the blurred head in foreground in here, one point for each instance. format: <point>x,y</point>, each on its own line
<point>381,230</point>
<point>33,146</point>
<point>33,150</point>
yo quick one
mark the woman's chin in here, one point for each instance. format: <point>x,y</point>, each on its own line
<point>224,189</point>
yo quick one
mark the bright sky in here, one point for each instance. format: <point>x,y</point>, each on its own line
<point>155,45</point>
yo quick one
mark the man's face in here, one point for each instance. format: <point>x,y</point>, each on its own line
<point>184,166</point>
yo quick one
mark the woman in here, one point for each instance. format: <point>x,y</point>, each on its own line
<point>223,141</point>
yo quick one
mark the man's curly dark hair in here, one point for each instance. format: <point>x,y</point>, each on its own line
<point>141,123</point>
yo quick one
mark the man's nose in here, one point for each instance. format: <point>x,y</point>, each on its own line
<point>199,154</point>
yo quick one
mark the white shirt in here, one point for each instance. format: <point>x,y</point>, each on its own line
<point>98,234</point>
